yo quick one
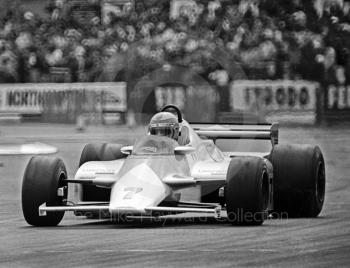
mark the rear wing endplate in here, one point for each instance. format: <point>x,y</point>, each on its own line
<point>231,131</point>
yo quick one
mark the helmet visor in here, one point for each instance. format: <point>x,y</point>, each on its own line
<point>162,131</point>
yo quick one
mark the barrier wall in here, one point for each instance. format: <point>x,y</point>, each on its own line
<point>280,100</point>
<point>197,104</point>
<point>336,102</point>
<point>63,102</point>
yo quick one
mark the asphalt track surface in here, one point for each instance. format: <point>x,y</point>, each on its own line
<point>186,241</point>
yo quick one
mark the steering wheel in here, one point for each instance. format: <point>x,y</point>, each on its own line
<point>174,107</point>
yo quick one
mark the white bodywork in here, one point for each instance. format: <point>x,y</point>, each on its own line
<point>140,183</point>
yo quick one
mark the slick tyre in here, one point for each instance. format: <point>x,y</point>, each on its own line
<point>299,180</point>
<point>98,152</point>
<point>247,191</point>
<point>42,178</point>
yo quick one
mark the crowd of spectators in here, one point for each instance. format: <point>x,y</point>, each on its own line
<point>267,39</point>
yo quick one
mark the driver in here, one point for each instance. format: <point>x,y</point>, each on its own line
<point>164,124</point>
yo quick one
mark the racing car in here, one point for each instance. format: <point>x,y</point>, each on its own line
<point>146,178</point>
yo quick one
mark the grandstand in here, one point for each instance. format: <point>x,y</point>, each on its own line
<point>220,41</point>
<point>72,41</point>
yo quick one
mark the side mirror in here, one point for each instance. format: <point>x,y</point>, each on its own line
<point>127,150</point>
<point>182,150</point>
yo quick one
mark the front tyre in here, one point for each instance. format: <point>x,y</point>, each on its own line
<point>42,179</point>
<point>247,191</point>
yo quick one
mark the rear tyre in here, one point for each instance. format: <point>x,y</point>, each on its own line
<point>42,178</point>
<point>247,191</point>
<point>98,152</point>
<point>299,180</point>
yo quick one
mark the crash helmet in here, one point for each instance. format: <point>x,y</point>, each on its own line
<point>164,124</point>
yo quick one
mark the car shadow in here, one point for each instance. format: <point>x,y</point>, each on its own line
<point>193,222</point>
<point>147,222</point>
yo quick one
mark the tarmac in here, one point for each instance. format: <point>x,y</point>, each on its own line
<point>182,241</point>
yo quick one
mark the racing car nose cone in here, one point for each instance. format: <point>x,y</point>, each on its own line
<point>137,189</point>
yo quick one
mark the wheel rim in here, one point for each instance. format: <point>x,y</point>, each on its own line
<point>63,183</point>
<point>320,183</point>
<point>265,190</point>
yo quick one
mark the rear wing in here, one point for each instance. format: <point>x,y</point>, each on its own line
<point>233,131</point>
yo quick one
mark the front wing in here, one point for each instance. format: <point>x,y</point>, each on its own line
<point>147,211</point>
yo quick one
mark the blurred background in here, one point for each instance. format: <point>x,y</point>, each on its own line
<point>119,61</point>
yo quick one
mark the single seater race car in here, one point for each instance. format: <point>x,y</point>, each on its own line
<point>146,179</point>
